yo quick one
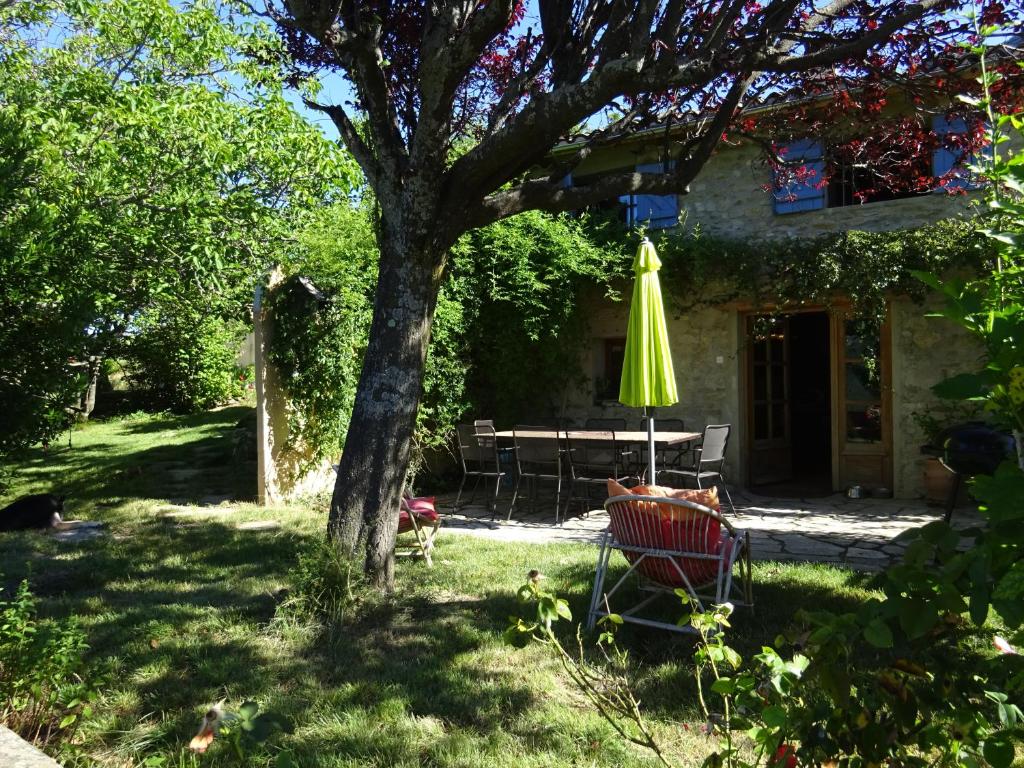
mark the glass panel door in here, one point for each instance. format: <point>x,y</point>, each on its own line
<point>864,434</point>
<point>768,411</point>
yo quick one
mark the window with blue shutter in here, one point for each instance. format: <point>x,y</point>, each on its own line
<point>654,211</point>
<point>806,195</point>
<point>948,158</point>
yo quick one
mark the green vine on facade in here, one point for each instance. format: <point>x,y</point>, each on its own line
<point>511,320</point>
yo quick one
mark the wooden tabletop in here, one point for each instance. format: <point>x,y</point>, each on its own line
<point>632,436</point>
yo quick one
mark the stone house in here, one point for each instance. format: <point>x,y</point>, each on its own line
<point>809,410</point>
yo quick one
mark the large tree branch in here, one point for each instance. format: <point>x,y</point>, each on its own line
<point>353,141</point>
<point>527,138</point>
<point>547,196</point>
<point>778,61</point>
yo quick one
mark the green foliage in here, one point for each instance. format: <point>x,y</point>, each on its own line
<point>247,730</point>
<point>324,586</point>
<point>184,359</point>
<point>513,294</point>
<point>145,159</point>
<point>318,339</point>
<point>44,691</point>
<point>865,267</point>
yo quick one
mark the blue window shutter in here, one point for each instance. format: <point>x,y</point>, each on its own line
<point>810,196</point>
<point>945,160</point>
<point>657,211</point>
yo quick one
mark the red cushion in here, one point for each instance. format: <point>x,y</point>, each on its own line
<point>644,524</point>
<point>424,509</point>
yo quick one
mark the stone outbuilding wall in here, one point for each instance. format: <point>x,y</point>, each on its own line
<point>284,469</point>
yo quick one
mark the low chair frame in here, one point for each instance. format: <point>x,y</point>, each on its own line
<point>637,530</point>
<point>424,529</point>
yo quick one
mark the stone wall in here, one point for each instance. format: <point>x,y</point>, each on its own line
<point>707,348</point>
<point>925,350</point>
<point>706,357</point>
<point>728,199</point>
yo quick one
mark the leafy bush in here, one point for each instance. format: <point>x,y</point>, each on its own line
<point>44,688</point>
<point>184,359</point>
<point>324,585</point>
<point>511,295</point>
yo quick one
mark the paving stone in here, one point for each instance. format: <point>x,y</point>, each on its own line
<point>15,752</point>
<point>183,475</point>
<point>854,553</point>
<point>802,545</point>
<point>73,531</point>
<point>259,525</point>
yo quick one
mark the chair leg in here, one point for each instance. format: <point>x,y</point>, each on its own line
<point>455,506</point>
<point>558,496</point>
<point>515,493</point>
<point>599,576</point>
<point>494,499</point>
<point>725,489</point>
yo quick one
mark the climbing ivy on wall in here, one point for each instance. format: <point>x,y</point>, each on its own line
<point>506,332</point>
<point>863,267</point>
<point>510,322</point>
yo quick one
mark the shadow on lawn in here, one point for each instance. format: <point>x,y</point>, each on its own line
<point>206,463</point>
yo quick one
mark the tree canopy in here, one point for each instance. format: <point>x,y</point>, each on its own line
<point>150,155</point>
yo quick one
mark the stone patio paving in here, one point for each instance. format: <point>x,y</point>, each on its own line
<point>858,533</point>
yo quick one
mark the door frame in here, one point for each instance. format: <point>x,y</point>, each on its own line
<point>836,312</point>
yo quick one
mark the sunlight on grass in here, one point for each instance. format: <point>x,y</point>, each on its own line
<point>183,611</point>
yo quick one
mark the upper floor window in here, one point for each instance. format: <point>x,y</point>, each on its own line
<point>654,211</point>
<point>651,211</point>
<point>852,180</point>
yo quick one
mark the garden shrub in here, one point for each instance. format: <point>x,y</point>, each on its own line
<point>45,690</point>
<point>511,295</point>
<point>183,359</point>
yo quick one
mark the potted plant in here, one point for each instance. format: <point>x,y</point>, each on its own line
<point>937,477</point>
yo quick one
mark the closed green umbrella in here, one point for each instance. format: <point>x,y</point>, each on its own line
<point>648,380</point>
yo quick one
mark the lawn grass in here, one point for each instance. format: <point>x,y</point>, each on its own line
<point>188,609</point>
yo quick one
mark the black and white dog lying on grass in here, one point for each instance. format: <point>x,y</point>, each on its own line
<point>41,510</point>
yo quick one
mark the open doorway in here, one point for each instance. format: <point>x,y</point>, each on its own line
<point>789,404</point>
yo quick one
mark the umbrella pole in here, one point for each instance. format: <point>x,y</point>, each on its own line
<point>652,477</point>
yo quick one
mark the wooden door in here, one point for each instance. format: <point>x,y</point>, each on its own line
<point>862,418</point>
<point>771,456</point>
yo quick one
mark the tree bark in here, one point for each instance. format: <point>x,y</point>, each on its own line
<point>372,472</point>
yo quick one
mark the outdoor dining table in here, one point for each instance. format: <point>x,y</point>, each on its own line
<point>631,436</point>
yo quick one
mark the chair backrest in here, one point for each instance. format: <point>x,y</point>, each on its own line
<point>618,425</point>
<point>666,425</point>
<point>469,448</point>
<point>483,423</point>
<point>537,451</point>
<point>487,440</point>
<point>716,438</point>
<point>689,533</point>
<point>594,454</point>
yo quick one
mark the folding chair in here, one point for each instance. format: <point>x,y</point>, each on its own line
<point>538,459</point>
<point>670,544</point>
<point>418,515</point>
<point>708,464</point>
<point>593,458</point>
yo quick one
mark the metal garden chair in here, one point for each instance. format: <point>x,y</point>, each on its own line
<point>708,467</point>
<point>538,459</point>
<point>478,454</point>
<point>593,459</point>
<point>670,544</point>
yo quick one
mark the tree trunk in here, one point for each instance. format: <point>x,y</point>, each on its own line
<point>372,473</point>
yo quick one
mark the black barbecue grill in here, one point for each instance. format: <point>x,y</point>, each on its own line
<point>972,448</point>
